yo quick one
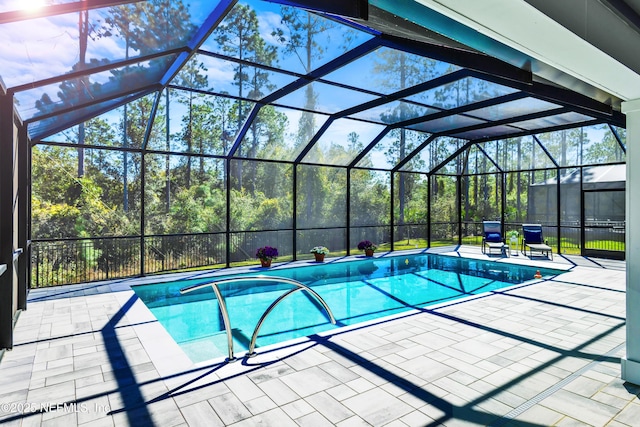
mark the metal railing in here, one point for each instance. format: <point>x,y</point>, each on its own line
<point>444,233</point>
<point>225,314</point>
<point>605,235</point>
<point>78,260</point>
<point>178,251</point>
<point>64,261</point>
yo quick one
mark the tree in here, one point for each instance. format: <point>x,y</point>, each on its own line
<point>605,151</point>
<point>304,36</point>
<point>239,37</point>
<point>196,124</point>
<point>72,206</point>
<point>397,70</point>
<point>146,27</point>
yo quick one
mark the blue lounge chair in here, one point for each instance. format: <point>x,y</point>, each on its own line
<point>534,240</point>
<point>492,238</point>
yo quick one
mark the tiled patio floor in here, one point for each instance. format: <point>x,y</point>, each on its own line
<point>547,353</point>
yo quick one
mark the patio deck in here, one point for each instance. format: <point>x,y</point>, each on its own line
<point>546,353</point>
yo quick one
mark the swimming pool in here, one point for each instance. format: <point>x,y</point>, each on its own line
<point>356,291</point>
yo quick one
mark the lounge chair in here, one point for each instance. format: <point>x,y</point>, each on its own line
<point>492,238</point>
<point>533,239</point>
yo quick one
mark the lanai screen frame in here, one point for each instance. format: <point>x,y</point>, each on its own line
<point>482,67</point>
<point>558,169</point>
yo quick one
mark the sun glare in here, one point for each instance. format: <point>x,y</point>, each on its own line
<point>33,4</point>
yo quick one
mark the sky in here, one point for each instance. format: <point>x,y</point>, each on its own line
<point>41,48</point>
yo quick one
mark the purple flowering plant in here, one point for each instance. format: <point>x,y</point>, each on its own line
<point>367,244</point>
<point>267,252</point>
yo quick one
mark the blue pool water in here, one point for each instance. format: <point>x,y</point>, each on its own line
<point>355,291</point>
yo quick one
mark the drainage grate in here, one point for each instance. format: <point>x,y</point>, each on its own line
<point>548,392</point>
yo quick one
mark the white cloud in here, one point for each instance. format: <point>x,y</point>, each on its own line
<point>267,23</point>
<point>219,73</point>
<point>42,48</point>
<point>33,50</point>
<point>340,129</point>
<point>111,48</point>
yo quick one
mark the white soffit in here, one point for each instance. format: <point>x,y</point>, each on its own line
<point>522,27</point>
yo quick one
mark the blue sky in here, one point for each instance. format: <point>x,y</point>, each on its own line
<point>37,49</point>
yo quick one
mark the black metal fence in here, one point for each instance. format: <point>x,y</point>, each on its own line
<point>56,262</point>
<point>605,235</point>
<point>444,233</point>
<point>65,261</point>
<point>176,252</point>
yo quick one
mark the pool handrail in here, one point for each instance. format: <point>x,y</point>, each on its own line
<point>262,278</point>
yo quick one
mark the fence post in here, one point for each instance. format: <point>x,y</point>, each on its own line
<point>37,251</point>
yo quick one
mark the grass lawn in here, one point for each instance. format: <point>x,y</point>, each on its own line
<point>569,247</point>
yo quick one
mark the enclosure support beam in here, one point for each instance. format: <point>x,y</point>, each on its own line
<point>631,362</point>
<point>429,178</point>
<point>392,199</point>
<point>143,215</point>
<point>582,215</point>
<point>558,210</point>
<point>294,221</point>
<point>8,279</point>
<point>24,217</point>
<point>503,200</point>
<point>227,228</point>
<point>459,207</point>
<point>348,202</point>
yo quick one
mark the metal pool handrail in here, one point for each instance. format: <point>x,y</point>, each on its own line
<point>261,278</point>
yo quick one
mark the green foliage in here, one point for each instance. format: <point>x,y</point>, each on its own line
<point>258,212</point>
<point>369,198</point>
<point>53,220</point>
<point>270,214</point>
<point>69,206</point>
